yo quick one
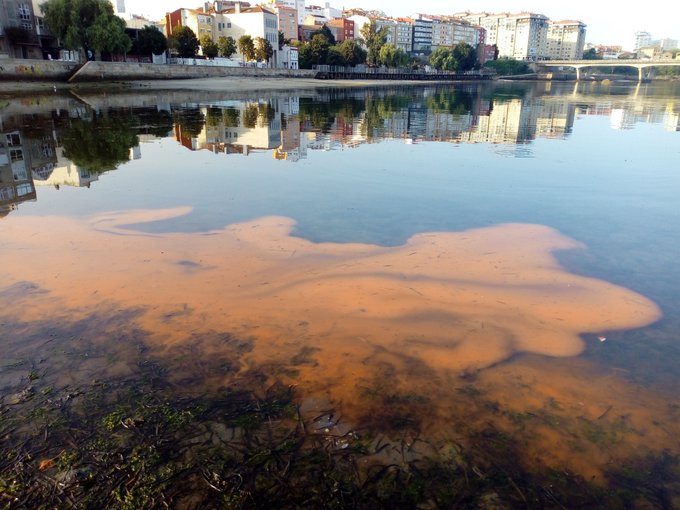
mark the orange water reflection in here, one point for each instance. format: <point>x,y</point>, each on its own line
<point>440,305</point>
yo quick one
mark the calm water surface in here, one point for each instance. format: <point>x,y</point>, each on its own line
<point>427,262</point>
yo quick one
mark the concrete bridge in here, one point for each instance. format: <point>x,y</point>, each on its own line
<point>640,65</point>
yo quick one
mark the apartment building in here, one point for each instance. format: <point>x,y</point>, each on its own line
<point>448,32</point>
<point>565,40</point>
<point>234,22</point>
<point>390,28</point>
<point>287,21</point>
<point>404,34</point>
<point>18,35</point>
<point>422,34</point>
<point>642,39</point>
<point>342,29</point>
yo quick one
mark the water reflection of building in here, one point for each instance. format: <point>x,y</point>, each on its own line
<point>23,158</point>
<point>66,173</point>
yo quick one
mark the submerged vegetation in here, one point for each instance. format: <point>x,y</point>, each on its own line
<point>138,441</point>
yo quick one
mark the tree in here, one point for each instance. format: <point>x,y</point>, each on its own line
<point>101,143</point>
<point>184,41</point>
<point>107,34</point>
<point>326,32</point>
<point>442,59</point>
<point>87,25</point>
<point>334,57</point>
<point>282,40</point>
<point>374,39</point>
<point>150,40</point>
<point>391,56</point>
<point>246,47</point>
<point>352,52</point>
<point>208,46</point>
<point>263,49</point>
<point>226,46</point>
<point>461,57</point>
<point>590,54</point>
<point>508,66</point>
<point>465,55</point>
<point>318,48</point>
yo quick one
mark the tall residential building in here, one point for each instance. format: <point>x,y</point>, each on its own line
<point>287,20</point>
<point>565,40</point>
<point>404,34</point>
<point>448,32</point>
<point>422,34</point>
<point>18,35</point>
<point>520,36</point>
<point>298,5</point>
<point>390,28</point>
<point>119,7</point>
<point>642,40</point>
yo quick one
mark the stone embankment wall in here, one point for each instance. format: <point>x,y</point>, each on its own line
<point>33,70</point>
<point>122,71</point>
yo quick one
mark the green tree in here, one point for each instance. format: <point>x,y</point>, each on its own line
<point>101,143</point>
<point>318,48</point>
<point>374,39</point>
<point>208,46</point>
<point>150,40</point>
<point>442,59</point>
<point>226,46</point>
<point>263,49</point>
<point>107,34</point>
<point>247,47</point>
<point>335,57</point>
<point>591,54</point>
<point>391,56</point>
<point>465,55</point>
<point>86,25</point>
<point>326,32</point>
<point>508,66</point>
<point>282,40</point>
<point>352,52</point>
<point>184,41</point>
<point>304,55</point>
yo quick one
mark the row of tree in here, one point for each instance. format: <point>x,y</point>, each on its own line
<point>92,26</point>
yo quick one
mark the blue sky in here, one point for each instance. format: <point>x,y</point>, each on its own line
<point>608,22</point>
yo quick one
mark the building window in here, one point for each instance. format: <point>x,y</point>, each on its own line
<point>16,155</point>
<point>24,12</point>
<point>6,193</point>
<point>24,189</point>
<point>13,140</point>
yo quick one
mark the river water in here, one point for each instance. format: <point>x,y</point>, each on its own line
<point>425,261</point>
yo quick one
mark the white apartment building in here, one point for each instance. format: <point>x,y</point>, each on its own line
<point>642,39</point>
<point>448,32</point>
<point>565,40</point>
<point>390,27</point>
<point>520,36</point>
<point>404,34</point>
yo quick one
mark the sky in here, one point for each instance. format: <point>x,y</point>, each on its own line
<point>607,22</point>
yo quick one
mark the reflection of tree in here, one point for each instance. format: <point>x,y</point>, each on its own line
<point>154,122</point>
<point>190,120</point>
<point>322,114</point>
<point>102,142</point>
<point>250,116</point>
<point>231,117</point>
<point>381,108</point>
<point>258,114</point>
<point>455,102</point>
